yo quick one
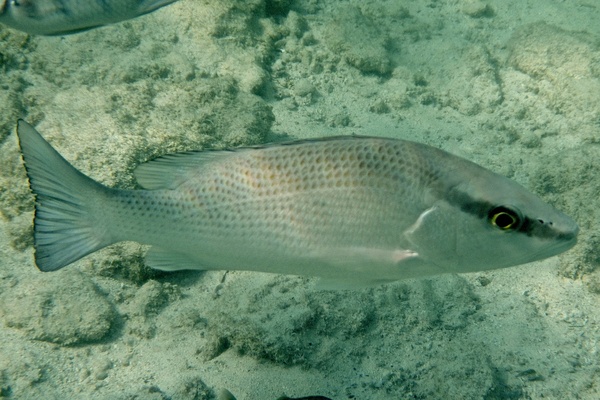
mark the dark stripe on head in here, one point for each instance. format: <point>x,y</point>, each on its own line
<point>533,227</point>
<point>469,204</point>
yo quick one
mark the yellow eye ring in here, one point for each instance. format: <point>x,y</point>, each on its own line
<point>504,218</point>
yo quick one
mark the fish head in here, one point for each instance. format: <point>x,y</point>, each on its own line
<point>486,221</point>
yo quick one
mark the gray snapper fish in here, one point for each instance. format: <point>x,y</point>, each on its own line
<point>59,17</point>
<point>356,211</point>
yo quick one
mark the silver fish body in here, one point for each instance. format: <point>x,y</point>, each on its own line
<point>353,210</point>
<point>58,17</point>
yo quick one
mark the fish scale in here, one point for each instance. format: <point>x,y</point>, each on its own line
<point>355,211</point>
<point>269,175</point>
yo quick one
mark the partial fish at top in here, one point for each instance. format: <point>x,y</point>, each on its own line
<point>355,211</point>
<point>59,17</point>
<point>225,394</point>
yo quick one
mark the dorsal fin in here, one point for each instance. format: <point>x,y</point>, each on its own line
<point>169,171</point>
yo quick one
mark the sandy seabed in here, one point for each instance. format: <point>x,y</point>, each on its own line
<point>511,85</point>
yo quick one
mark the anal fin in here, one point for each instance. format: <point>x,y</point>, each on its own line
<point>348,284</point>
<point>164,260</point>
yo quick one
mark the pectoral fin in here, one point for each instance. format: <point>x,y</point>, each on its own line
<point>354,257</point>
<point>365,267</point>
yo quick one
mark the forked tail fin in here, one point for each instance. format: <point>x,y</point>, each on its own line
<point>66,224</point>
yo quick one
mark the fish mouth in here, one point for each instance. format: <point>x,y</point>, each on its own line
<point>561,243</point>
<point>569,237</point>
<point>566,244</point>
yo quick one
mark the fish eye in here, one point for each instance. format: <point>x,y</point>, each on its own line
<point>505,218</point>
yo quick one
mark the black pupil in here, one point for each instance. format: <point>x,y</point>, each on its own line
<point>504,220</point>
